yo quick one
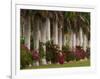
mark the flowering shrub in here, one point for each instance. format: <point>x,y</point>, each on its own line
<point>88,53</point>
<point>54,51</point>
<point>79,53</point>
<point>61,58</point>
<point>25,56</point>
<point>35,55</point>
<point>70,56</point>
<point>49,54</point>
<point>65,50</point>
<point>51,51</point>
<point>41,50</point>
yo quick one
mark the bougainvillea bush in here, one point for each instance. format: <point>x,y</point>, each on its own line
<point>25,57</point>
<point>41,50</point>
<point>88,53</point>
<point>70,56</point>
<point>51,52</point>
<point>79,53</point>
<point>35,55</point>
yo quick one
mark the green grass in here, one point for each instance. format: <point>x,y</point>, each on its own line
<point>69,64</point>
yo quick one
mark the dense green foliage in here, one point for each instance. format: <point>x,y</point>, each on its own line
<point>25,57</point>
<point>41,50</point>
<point>51,52</point>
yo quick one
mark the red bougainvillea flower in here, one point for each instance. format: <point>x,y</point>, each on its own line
<point>61,58</point>
<point>25,47</point>
<point>80,53</point>
<point>36,55</point>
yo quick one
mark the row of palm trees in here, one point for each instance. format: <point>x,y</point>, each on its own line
<point>64,28</point>
<point>78,25</point>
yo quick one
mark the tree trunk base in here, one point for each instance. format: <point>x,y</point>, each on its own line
<point>44,61</point>
<point>49,62</point>
<point>36,63</point>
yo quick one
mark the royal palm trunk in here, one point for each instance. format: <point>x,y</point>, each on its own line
<point>27,31</point>
<point>55,32</point>
<point>60,37</point>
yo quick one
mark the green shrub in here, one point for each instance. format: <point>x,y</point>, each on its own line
<point>41,50</point>
<point>48,51</point>
<point>80,53</point>
<point>25,57</point>
<point>70,56</point>
<point>65,48</point>
<point>88,52</point>
<point>51,51</point>
<point>22,40</point>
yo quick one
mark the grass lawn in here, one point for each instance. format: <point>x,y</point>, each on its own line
<point>69,64</point>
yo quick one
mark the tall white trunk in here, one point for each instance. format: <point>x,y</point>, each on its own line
<point>77,40</point>
<point>70,40</point>
<point>85,42</point>
<point>81,37</point>
<point>43,37</point>
<point>48,33</point>
<point>48,29</point>
<point>36,34</point>
<point>60,37</point>
<point>73,41</point>
<point>22,25</point>
<point>55,32</point>
<point>27,31</point>
<point>43,32</point>
<point>64,39</point>
<point>88,44</point>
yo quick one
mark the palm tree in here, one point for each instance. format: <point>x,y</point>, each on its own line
<point>60,28</point>
<point>72,27</point>
<point>75,24</point>
<point>45,31</point>
<point>54,20</point>
<point>86,29</point>
<point>25,26</point>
